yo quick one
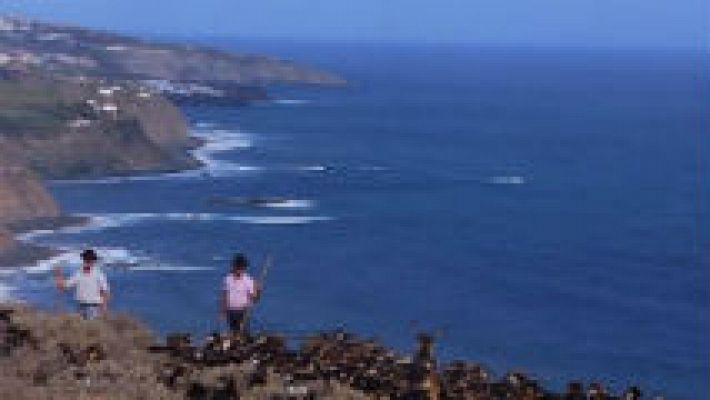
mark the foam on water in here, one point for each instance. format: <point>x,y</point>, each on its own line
<point>6,293</point>
<point>214,141</point>
<point>315,168</point>
<point>291,101</point>
<point>108,256</point>
<point>219,140</point>
<point>290,203</point>
<point>122,219</point>
<point>168,268</point>
<point>506,180</point>
<point>96,222</point>
<point>100,221</point>
<point>204,124</point>
<point>281,220</point>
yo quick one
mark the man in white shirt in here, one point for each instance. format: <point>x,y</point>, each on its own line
<point>90,284</point>
<point>239,292</point>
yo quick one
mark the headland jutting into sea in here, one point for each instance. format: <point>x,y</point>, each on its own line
<point>83,104</point>
<point>76,103</point>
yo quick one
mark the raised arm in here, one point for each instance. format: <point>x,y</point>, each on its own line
<point>59,278</point>
<point>104,292</point>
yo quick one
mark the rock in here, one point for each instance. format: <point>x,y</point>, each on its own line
<point>6,240</point>
<point>62,356</point>
<point>23,195</point>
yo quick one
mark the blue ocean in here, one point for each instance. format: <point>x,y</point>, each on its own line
<point>540,210</point>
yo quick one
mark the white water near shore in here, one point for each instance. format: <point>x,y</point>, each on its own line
<point>213,141</point>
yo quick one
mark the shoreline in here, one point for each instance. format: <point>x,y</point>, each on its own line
<point>131,176</point>
<point>25,251</point>
<point>27,254</point>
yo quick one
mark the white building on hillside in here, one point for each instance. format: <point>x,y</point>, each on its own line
<point>111,109</point>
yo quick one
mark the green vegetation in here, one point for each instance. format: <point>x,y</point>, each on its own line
<point>32,108</point>
<point>16,121</point>
<point>20,94</point>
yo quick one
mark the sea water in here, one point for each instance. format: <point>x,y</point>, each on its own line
<point>540,210</point>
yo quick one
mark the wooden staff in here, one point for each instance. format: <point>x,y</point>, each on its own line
<point>59,280</point>
<point>260,288</point>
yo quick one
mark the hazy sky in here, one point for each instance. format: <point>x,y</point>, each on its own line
<point>598,23</point>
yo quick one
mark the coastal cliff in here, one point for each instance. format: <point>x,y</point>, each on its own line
<point>59,127</point>
<point>65,127</point>
<point>78,103</point>
<point>23,197</point>
<point>6,240</point>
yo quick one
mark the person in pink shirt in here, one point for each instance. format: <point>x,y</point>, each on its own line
<point>239,293</point>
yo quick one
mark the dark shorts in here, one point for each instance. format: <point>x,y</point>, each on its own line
<point>89,311</point>
<point>237,318</point>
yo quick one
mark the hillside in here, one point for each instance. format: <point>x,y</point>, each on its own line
<point>78,51</point>
<point>82,103</point>
<point>59,356</point>
<point>65,127</point>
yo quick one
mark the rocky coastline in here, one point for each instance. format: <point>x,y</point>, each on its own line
<point>143,135</point>
<point>78,103</point>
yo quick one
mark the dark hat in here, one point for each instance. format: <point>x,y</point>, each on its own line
<point>89,255</point>
<point>240,261</point>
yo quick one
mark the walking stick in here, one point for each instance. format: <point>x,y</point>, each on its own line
<point>264,272</point>
<point>59,298</point>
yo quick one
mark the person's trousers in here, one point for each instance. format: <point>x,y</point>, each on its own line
<point>89,311</point>
<point>237,320</point>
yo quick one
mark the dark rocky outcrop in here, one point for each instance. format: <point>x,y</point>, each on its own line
<point>23,195</point>
<point>62,357</point>
<point>46,356</point>
<point>6,240</point>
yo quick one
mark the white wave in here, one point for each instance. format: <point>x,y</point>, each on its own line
<point>507,180</point>
<point>95,222</point>
<point>108,257</point>
<point>312,168</point>
<point>263,202</point>
<point>291,101</point>
<point>31,235</point>
<point>281,220</point>
<point>6,293</point>
<point>217,141</point>
<point>114,220</point>
<point>290,203</point>
<point>373,168</point>
<point>66,257</point>
<point>168,268</point>
<point>214,141</point>
<point>119,256</point>
<point>204,125</point>
<point>321,168</point>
